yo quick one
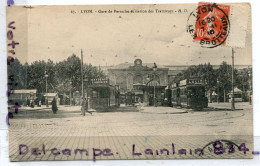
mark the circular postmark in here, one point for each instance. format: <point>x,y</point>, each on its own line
<point>209,24</point>
<point>224,147</point>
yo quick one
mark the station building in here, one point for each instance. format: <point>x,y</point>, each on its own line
<point>147,81</point>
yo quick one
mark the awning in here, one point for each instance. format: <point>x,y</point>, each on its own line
<point>153,83</point>
<point>50,94</point>
<point>25,91</point>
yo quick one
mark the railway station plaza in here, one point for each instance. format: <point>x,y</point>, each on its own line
<point>130,109</point>
<point>152,127</point>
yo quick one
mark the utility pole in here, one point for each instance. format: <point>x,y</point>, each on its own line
<point>154,94</point>
<point>250,83</point>
<point>70,92</point>
<point>82,85</point>
<point>233,101</point>
<point>224,95</point>
<point>154,91</point>
<point>46,82</point>
<point>218,89</point>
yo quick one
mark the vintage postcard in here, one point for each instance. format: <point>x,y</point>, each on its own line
<point>111,82</point>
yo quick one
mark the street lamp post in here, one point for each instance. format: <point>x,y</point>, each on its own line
<point>81,71</point>
<point>233,97</point>
<point>46,76</point>
<point>250,89</point>
<point>154,69</point>
<point>86,87</point>
<point>153,79</point>
<point>70,92</point>
<point>218,90</point>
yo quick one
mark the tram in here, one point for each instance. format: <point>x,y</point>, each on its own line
<point>130,98</point>
<point>168,98</point>
<point>190,94</point>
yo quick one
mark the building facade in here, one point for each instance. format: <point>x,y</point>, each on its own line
<point>147,81</point>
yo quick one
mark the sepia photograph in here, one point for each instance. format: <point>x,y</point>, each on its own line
<point>137,82</point>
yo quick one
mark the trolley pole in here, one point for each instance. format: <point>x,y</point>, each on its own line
<point>154,104</point>
<point>46,92</point>
<point>82,87</point>
<point>81,67</point>
<point>154,90</point>
<point>233,101</point>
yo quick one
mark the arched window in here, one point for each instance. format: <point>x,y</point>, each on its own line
<point>138,79</point>
<point>121,81</point>
<point>152,77</point>
<point>157,78</point>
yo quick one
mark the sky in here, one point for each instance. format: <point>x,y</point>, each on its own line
<point>113,38</point>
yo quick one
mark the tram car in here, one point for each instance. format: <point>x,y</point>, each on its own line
<point>190,94</point>
<point>168,98</point>
<point>130,98</point>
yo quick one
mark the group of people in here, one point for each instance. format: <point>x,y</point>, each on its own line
<point>153,101</point>
<point>139,104</point>
<point>84,106</point>
<point>32,102</point>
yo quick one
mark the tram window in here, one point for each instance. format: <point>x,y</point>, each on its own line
<point>237,95</point>
<point>189,93</point>
<point>178,92</point>
<point>104,93</point>
<point>94,94</point>
<point>200,91</point>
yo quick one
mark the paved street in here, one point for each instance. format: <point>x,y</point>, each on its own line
<point>151,127</point>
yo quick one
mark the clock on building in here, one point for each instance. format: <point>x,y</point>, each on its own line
<point>138,62</point>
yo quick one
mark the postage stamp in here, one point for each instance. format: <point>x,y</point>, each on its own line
<point>115,82</point>
<point>211,24</point>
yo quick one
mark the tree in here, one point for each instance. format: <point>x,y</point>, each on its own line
<point>36,76</point>
<point>68,74</point>
<point>63,77</point>
<point>16,73</point>
<point>224,76</point>
<point>204,72</point>
<point>243,79</point>
<point>92,71</point>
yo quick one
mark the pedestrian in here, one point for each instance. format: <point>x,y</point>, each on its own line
<point>27,102</point>
<point>140,105</point>
<point>155,102</point>
<point>32,103</point>
<point>162,101</point>
<point>86,106</point>
<point>36,101</point>
<point>150,100</point>
<point>73,101</point>
<point>82,106</point>
<point>54,106</point>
